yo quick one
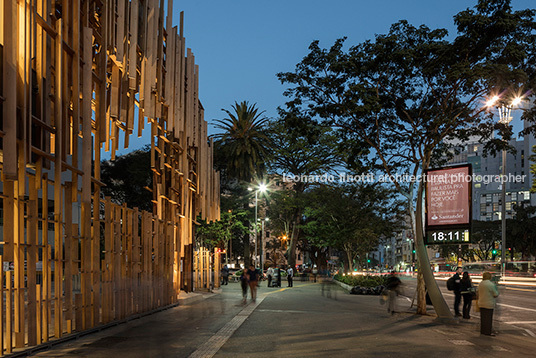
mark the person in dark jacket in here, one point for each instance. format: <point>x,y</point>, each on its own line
<point>467,294</point>
<point>457,291</point>
<point>253,282</point>
<point>225,275</point>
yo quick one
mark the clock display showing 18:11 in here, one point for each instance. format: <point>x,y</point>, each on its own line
<point>448,236</point>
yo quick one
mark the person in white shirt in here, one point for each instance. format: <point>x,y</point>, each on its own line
<point>290,274</point>
<point>270,274</point>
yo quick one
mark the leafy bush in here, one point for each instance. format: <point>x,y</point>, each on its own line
<point>363,281</point>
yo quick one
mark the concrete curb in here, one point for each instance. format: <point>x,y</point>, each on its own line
<point>343,285</point>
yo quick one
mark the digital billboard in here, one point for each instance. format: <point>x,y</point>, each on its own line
<point>448,205</point>
<point>448,196</point>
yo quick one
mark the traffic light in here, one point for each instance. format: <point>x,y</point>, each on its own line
<point>413,251</point>
<point>368,260</point>
<point>494,252</point>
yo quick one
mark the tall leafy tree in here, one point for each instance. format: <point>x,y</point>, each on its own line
<point>129,179</point>
<point>351,218</point>
<point>405,94</point>
<point>522,231</point>
<point>218,234</point>
<point>297,154</point>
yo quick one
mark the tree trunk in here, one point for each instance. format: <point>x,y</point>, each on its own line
<point>350,261</point>
<point>421,287</point>
<point>291,252</point>
<point>438,301</point>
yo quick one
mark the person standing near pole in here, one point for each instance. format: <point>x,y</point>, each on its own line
<point>457,288</point>
<point>487,294</point>
<point>225,275</point>
<point>290,275</point>
<point>467,293</point>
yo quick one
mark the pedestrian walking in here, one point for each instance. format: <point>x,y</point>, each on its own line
<point>393,287</point>
<point>253,281</point>
<point>244,282</point>
<point>225,275</point>
<point>270,274</point>
<point>467,294</point>
<point>457,288</point>
<point>290,276</point>
<point>487,294</point>
<point>278,274</point>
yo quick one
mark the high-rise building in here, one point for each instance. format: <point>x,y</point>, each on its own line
<point>487,187</point>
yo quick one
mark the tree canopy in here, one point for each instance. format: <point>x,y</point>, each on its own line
<point>404,97</point>
<point>129,179</point>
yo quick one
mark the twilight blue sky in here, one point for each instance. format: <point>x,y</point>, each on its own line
<point>240,45</point>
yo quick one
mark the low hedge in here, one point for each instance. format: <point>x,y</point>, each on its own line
<point>362,281</point>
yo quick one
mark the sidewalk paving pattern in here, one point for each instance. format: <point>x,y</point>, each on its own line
<point>308,320</point>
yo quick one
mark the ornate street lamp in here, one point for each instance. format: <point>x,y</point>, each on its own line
<point>505,110</point>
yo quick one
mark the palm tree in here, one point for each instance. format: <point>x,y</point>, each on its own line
<point>243,142</point>
<point>241,150</point>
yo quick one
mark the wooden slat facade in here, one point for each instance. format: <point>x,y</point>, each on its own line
<point>77,76</point>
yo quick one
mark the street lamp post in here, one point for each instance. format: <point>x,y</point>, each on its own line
<point>504,118</point>
<point>262,189</point>
<point>262,244</point>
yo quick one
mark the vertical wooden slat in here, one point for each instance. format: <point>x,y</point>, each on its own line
<point>96,277</point>
<point>68,261</point>
<point>133,48</point>
<point>108,264</point>
<point>39,314</point>
<point>2,311</point>
<point>47,270</point>
<point>87,150</point>
<point>9,312</point>
<point>32,233</point>
<point>120,35</point>
<point>19,253</point>
<point>136,264</point>
<point>117,262</point>
<point>9,168</point>
<point>58,207</point>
